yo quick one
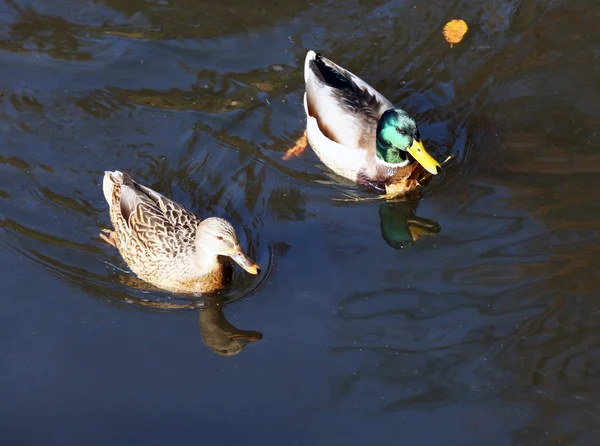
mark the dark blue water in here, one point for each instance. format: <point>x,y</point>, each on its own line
<point>486,333</point>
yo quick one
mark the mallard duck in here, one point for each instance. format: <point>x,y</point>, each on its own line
<point>358,133</point>
<point>165,244</point>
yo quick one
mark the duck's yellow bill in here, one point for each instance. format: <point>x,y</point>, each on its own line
<point>419,153</point>
<point>245,262</point>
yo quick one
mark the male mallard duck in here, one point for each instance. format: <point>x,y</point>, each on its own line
<point>165,244</point>
<point>358,133</point>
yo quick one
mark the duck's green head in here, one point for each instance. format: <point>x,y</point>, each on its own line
<point>397,134</point>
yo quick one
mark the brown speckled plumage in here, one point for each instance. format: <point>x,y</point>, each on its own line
<point>165,244</point>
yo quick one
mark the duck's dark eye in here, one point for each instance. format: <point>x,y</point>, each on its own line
<point>399,130</point>
<point>219,237</point>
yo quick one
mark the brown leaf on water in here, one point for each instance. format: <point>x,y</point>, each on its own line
<point>263,86</point>
<point>455,30</point>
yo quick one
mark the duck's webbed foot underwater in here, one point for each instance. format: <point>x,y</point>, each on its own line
<point>298,149</point>
<point>110,239</point>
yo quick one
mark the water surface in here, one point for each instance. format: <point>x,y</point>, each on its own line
<point>486,333</point>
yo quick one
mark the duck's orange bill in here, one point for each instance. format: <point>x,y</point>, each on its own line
<point>245,262</point>
<point>419,153</point>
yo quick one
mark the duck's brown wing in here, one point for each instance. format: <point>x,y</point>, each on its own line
<point>162,225</point>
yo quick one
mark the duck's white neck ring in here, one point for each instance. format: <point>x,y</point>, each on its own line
<point>404,163</point>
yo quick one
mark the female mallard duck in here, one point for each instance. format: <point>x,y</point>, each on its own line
<point>165,244</point>
<point>358,133</point>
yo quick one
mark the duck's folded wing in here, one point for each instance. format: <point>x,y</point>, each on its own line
<point>345,106</point>
<point>382,103</point>
<point>344,161</point>
<point>163,224</point>
<point>139,202</point>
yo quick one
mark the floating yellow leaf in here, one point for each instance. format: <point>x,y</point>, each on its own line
<point>455,30</point>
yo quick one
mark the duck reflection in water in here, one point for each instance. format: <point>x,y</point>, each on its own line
<point>219,335</point>
<point>401,227</point>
